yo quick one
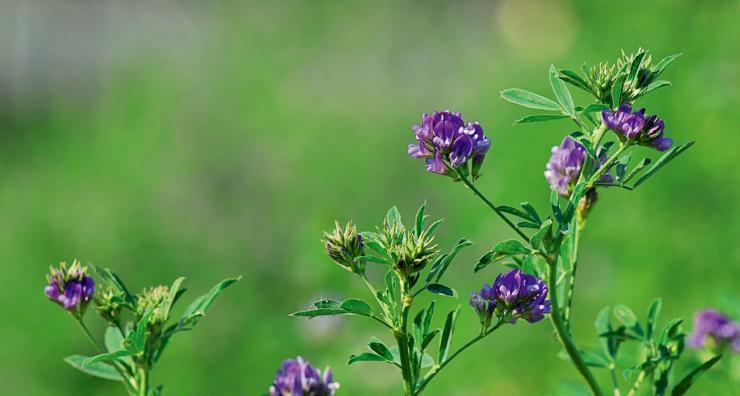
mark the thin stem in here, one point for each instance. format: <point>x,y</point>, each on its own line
<point>100,349</point>
<point>637,383</point>
<point>615,382</point>
<point>490,204</point>
<point>432,373</point>
<point>577,228</point>
<point>382,305</point>
<point>402,340</point>
<point>605,167</point>
<point>563,334</point>
<point>89,335</point>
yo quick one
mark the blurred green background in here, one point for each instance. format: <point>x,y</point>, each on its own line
<point>217,139</point>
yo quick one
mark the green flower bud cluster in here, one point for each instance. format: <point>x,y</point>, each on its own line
<point>155,299</point>
<point>344,246</point>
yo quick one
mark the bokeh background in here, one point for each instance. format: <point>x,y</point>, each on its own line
<point>211,139</point>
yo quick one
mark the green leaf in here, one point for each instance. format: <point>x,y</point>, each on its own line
<point>655,85</point>
<point>661,66</point>
<point>691,377</point>
<point>443,262</point>
<point>561,92</point>
<point>446,340</point>
<point>585,142</point>
<point>625,315</point>
<point>327,304</point>
<point>356,306</point>
<point>443,290</point>
<point>420,219</point>
<point>312,313</point>
<point>530,209</point>
<point>501,250</point>
<point>617,91</point>
<point>540,118</point>
<point>100,370</point>
<point>365,357</point>
<point>555,205</point>
<point>372,259</point>
<point>116,281</point>
<point>378,347</point>
<point>637,169</point>
<point>393,216</point>
<point>516,212</point>
<point>652,317</point>
<point>540,235</point>
<point>432,228</point>
<point>635,66</point>
<point>574,79</point>
<point>664,159</point>
<point>529,99</point>
<point>202,303</point>
<point>113,339</point>
<point>594,107</point>
<point>173,295</point>
<point>104,357</point>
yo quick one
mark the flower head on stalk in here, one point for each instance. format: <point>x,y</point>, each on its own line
<point>513,295</point>
<point>446,142</point>
<point>634,126</point>
<point>297,377</point>
<point>344,246</point>
<point>564,166</point>
<point>715,330</point>
<point>71,288</point>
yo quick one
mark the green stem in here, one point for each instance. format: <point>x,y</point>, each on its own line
<point>89,335</point>
<point>563,334</point>
<point>143,381</point>
<point>121,371</point>
<point>490,204</point>
<point>577,228</point>
<point>382,305</point>
<point>637,383</point>
<point>605,167</point>
<point>402,340</point>
<point>615,382</point>
<point>432,373</point>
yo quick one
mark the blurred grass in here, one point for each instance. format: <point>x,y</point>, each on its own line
<point>232,156</point>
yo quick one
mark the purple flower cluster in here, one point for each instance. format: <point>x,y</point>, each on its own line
<point>648,131</point>
<point>711,325</point>
<point>513,295</point>
<point>446,142</point>
<point>298,378</point>
<point>564,166</point>
<point>71,288</point>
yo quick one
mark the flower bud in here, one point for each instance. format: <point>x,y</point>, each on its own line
<point>154,298</point>
<point>415,252</point>
<point>108,304</point>
<point>71,288</point>
<point>344,246</point>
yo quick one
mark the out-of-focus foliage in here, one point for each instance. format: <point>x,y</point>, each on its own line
<point>212,139</point>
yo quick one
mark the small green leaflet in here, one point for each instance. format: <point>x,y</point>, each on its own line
<point>540,118</point>
<point>561,92</point>
<point>100,369</point>
<point>529,99</point>
<point>691,377</point>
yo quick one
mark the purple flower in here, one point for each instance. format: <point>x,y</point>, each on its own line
<point>514,295</point>
<point>564,166</point>
<point>484,304</point>
<point>720,330</point>
<point>652,135</point>
<point>446,142</point>
<point>71,288</point>
<point>648,131</point>
<point>297,378</point>
<point>624,121</point>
